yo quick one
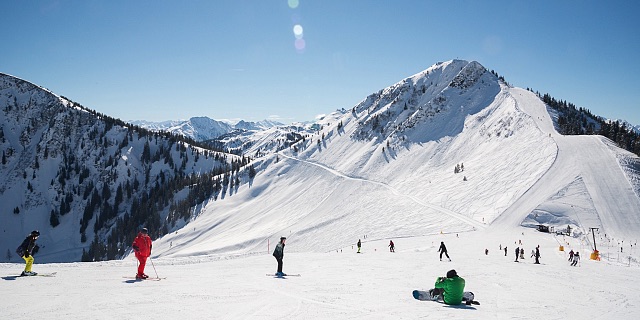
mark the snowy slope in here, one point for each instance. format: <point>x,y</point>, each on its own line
<point>511,165</point>
<point>335,285</point>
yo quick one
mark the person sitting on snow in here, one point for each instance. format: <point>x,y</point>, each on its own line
<point>449,288</point>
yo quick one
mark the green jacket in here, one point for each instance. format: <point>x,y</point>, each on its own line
<point>453,289</point>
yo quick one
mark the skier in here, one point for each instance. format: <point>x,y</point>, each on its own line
<point>571,255</point>
<point>443,250</point>
<point>521,253</point>
<point>576,259</point>
<point>278,253</point>
<point>359,245</point>
<point>392,247</point>
<point>142,247</point>
<point>505,251</point>
<point>517,254</point>
<point>537,255</point>
<point>449,288</point>
<point>26,250</point>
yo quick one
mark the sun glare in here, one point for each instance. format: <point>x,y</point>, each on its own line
<point>297,31</point>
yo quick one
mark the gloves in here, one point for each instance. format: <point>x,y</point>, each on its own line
<point>26,254</point>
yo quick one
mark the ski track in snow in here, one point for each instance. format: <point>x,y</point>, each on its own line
<point>458,216</point>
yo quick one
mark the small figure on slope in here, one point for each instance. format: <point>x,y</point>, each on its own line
<point>278,253</point>
<point>517,254</point>
<point>359,245</point>
<point>26,250</point>
<point>576,259</point>
<point>443,250</point>
<point>392,247</point>
<point>571,255</point>
<point>537,255</point>
<point>142,248</point>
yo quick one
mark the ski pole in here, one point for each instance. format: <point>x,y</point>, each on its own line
<point>154,267</point>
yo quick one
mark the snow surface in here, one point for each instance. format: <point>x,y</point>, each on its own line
<point>335,190</point>
<point>340,284</point>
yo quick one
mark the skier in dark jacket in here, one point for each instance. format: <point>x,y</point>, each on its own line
<point>278,253</point>
<point>359,245</point>
<point>537,255</point>
<point>517,253</point>
<point>392,247</point>
<point>443,250</point>
<point>26,250</point>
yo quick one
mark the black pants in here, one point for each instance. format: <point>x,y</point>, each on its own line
<point>436,292</point>
<point>279,264</point>
<point>445,253</point>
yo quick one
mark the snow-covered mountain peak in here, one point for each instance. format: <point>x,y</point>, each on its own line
<point>444,95</point>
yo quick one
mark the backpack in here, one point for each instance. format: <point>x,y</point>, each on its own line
<point>20,250</point>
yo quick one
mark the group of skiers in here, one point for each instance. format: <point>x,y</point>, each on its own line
<point>141,246</point>
<point>535,253</point>
<point>574,258</point>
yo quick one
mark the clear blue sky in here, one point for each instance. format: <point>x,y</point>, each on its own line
<point>160,60</point>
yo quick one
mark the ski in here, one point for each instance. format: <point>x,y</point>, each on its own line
<point>147,279</point>
<point>52,274</point>
<point>282,276</point>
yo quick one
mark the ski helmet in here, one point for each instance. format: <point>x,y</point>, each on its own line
<point>144,230</point>
<point>35,233</point>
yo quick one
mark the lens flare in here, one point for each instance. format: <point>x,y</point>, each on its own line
<point>293,4</point>
<point>297,31</point>
<point>300,45</point>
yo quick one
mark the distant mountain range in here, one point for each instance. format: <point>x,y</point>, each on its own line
<point>204,128</point>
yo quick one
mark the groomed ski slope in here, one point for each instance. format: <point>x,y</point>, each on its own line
<point>336,285</point>
<point>588,158</point>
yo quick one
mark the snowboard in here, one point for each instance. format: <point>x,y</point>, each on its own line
<point>467,297</point>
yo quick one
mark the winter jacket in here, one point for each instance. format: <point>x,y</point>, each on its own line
<point>442,247</point>
<point>453,289</point>
<point>28,247</point>
<point>142,244</point>
<point>279,251</point>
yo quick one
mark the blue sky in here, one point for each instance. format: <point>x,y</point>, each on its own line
<point>161,60</point>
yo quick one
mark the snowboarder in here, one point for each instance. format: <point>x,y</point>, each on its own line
<point>278,253</point>
<point>571,255</point>
<point>517,253</point>
<point>142,248</point>
<point>392,247</point>
<point>443,250</point>
<point>359,245</point>
<point>576,259</point>
<point>450,288</point>
<point>26,250</point>
<point>537,255</point>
